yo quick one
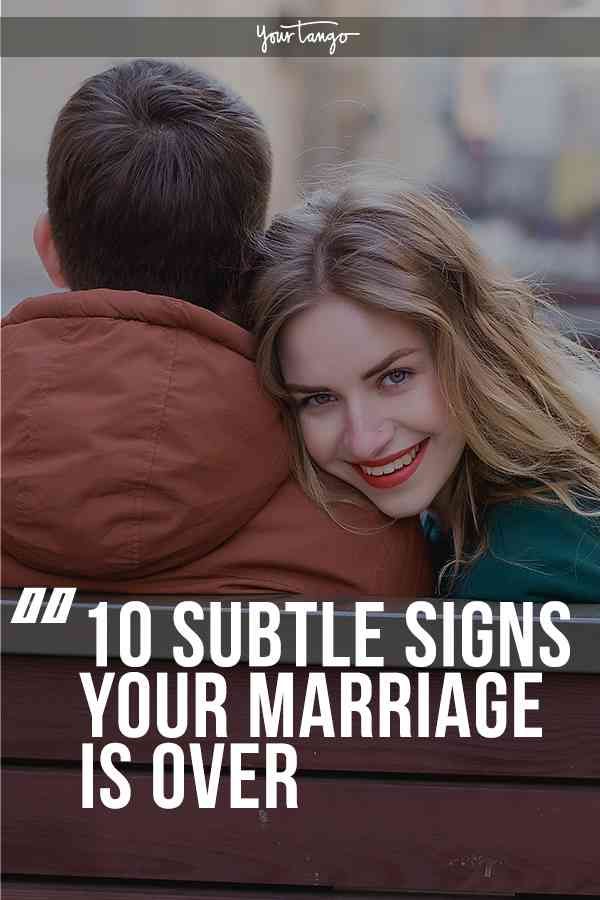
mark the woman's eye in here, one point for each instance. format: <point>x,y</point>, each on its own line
<point>316,400</point>
<point>395,376</point>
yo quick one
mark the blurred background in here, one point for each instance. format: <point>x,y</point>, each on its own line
<point>515,142</point>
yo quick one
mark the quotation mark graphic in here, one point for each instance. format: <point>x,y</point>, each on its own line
<point>29,605</point>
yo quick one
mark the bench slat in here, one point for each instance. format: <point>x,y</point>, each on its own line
<point>46,718</point>
<point>349,833</point>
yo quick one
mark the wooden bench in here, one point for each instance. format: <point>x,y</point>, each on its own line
<point>401,815</point>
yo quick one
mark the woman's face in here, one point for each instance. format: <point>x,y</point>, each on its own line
<point>369,403</point>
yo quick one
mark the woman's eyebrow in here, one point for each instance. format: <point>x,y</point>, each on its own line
<point>322,389</point>
<point>305,389</point>
<point>393,357</point>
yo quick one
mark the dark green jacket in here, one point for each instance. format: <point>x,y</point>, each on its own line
<point>536,552</point>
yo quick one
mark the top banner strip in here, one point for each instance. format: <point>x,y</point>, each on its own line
<point>298,38</point>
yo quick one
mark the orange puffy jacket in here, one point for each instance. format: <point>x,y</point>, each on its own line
<point>140,456</point>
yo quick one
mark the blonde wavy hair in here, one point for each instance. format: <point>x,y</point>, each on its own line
<point>526,397</point>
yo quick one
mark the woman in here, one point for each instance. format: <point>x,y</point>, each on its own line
<point>411,370</point>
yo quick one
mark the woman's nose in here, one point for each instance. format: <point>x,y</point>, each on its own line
<point>367,439</point>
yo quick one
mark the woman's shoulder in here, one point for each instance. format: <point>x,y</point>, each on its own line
<point>536,551</point>
<point>542,523</point>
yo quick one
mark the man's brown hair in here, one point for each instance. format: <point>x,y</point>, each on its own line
<point>158,179</point>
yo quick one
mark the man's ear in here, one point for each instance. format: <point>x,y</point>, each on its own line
<point>44,244</point>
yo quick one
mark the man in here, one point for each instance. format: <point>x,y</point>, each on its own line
<point>139,454</point>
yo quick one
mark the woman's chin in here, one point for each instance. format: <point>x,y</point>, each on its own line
<point>398,510</point>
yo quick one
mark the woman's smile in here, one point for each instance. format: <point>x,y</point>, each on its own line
<point>394,470</point>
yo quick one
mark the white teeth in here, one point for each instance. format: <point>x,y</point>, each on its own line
<point>399,463</point>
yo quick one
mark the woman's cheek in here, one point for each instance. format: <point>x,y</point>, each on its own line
<point>318,441</point>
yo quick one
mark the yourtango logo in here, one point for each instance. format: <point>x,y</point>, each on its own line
<point>317,32</point>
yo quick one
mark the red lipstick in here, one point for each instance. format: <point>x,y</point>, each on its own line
<point>397,477</point>
<point>371,463</point>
